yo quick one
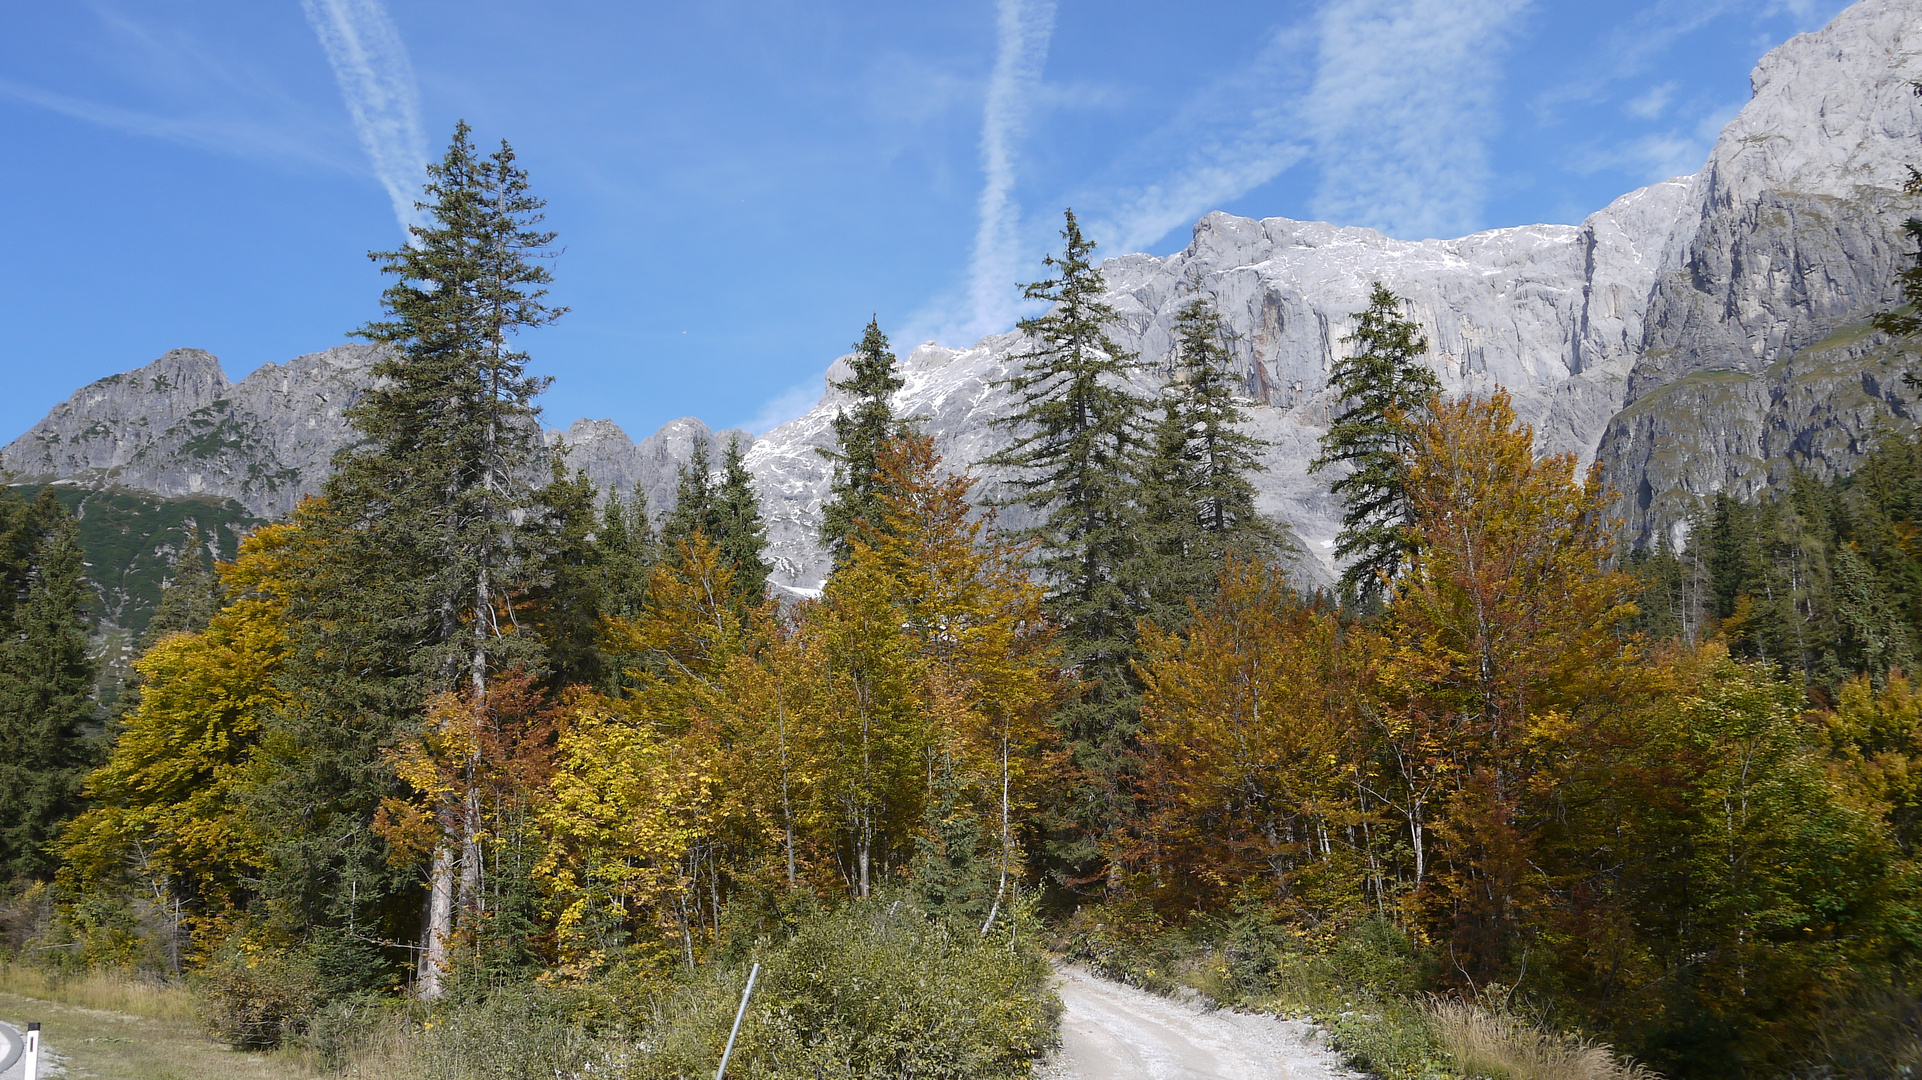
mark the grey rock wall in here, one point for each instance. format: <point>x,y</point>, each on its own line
<point>178,427</point>
<point>1794,239</point>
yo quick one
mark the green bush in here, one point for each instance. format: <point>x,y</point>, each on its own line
<point>876,989</point>
<point>257,1000</point>
<point>507,1035</point>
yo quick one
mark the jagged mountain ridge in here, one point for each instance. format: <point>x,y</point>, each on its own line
<point>177,427</point>
<point>1696,335</point>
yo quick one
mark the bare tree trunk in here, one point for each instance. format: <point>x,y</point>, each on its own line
<point>1007,839</point>
<point>430,982</point>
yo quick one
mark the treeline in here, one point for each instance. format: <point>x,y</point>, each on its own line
<point>446,732</point>
<point>1823,580</point>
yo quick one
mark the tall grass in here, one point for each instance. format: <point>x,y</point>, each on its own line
<point>108,991</point>
<point>1497,1044</point>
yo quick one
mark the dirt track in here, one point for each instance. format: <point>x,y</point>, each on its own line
<point>1115,1032</point>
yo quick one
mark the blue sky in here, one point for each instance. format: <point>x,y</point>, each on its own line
<point>739,184</point>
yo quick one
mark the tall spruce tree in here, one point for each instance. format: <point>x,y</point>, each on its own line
<point>859,435</point>
<point>628,551</point>
<point>1075,459</point>
<point>410,561</point>
<point>1197,498</point>
<point>693,510</point>
<point>743,535</point>
<point>1382,385</point>
<point>728,514</point>
<point>46,684</point>
<point>191,596</point>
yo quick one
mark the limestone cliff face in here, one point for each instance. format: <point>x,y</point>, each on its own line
<point>178,427</point>
<point>1551,312</point>
<point>1686,336</point>
<point>1755,359</point>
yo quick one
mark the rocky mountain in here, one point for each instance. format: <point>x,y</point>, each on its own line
<point>1698,335</point>
<point>1702,334</point>
<point>178,428</point>
<point>1757,358</point>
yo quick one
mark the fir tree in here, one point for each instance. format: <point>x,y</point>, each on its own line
<point>191,597</point>
<point>1382,386</point>
<point>568,597</point>
<point>859,436</point>
<point>628,551</point>
<point>694,506</point>
<point>728,514</point>
<point>1197,501</point>
<point>411,558</point>
<point>1075,459</point>
<point>46,682</point>
<point>741,535</point>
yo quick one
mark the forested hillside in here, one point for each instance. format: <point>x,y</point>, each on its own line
<point>533,776</point>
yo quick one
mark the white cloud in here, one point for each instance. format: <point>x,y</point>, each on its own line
<point>377,81</point>
<point>1402,105</point>
<point>1659,155</point>
<point>1232,137</point>
<point>224,134</point>
<point>789,404</point>
<point>1022,30</point>
<point>1653,103</point>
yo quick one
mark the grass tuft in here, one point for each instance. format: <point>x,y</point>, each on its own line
<point>1503,1046</point>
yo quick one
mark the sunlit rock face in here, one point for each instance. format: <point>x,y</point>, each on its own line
<point>178,427</point>
<point>1756,359</point>
<point>1702,334</point>
<point>1790,234</point>
<point>1551,312</point>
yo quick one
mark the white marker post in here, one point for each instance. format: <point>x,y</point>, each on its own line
<point>738,1013</point>
<point>33,1052</point>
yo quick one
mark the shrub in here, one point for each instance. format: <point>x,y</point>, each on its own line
<point>256,1000</point>
<point>876,989</point>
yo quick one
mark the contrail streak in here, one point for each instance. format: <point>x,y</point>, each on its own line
<point>377,82</point>
<point>1022,30</point>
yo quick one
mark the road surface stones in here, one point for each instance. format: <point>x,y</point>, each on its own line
<point>1110,1031</point>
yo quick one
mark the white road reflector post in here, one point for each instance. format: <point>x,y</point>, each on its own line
<point>33,1052</point>
<point>721,1072</point>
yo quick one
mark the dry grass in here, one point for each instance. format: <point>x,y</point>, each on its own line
<point>1505,1047</point>
<point>106,991</point>
<point>113,1027</point>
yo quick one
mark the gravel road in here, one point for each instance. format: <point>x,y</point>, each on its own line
<point>1115,1032</point>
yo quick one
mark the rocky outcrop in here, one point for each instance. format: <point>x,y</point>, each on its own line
<point>1684,336</point>
<point>1551,312</point>
<point>1753,360</point>
<point>177,427</point>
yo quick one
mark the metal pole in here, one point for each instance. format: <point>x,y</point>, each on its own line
<point>725,1054</point>
<point>33,1052</point>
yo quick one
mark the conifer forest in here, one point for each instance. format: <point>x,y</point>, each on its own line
<point>472,765</point>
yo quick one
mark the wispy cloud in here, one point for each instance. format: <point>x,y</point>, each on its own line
<point>1022,30</point>
<point>223,134</point>
<point>1659,155</point>
<point>377,81</point>
<point>1401,109</point>
<point>1233,136</point>
<point>789,404</point>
